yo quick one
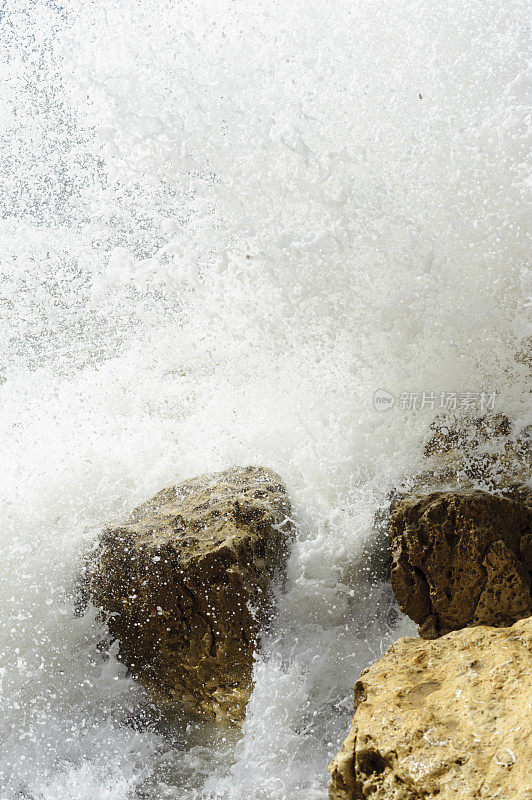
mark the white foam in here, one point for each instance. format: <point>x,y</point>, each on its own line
<point>228,225</point>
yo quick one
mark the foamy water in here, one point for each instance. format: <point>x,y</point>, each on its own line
<point>224,227</point>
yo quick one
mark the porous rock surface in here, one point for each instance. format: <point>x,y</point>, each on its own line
<point>184,585</point>
<point>446,718</point>
<point>462,451</point>
<point>462,558</point>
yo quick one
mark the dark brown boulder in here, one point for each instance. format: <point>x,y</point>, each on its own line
<point>462,558</point>
<point>185,585</point>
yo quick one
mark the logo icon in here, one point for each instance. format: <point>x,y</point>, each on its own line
<point>383,400</point>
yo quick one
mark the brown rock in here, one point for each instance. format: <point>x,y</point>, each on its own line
<point>461,558</point>
<point>185,585</point>
<point>446,719</point>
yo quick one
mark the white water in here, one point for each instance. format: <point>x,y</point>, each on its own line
<point>224,226</point>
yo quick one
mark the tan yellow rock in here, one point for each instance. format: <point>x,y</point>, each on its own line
<point>462,558</point>
<point>185,584</point>
<point>447,718</point>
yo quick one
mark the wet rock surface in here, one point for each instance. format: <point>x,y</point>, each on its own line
<point>446,718</point>
<point>462,558</point>
<point>465,452</point>
<point>185,585</point>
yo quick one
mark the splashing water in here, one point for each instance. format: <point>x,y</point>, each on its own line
<point>224,227</point>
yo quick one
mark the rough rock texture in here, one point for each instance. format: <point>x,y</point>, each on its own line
<point>449,718</point>
<point>464,451</point>
<point>184,585</point>
<point>462,558</point>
